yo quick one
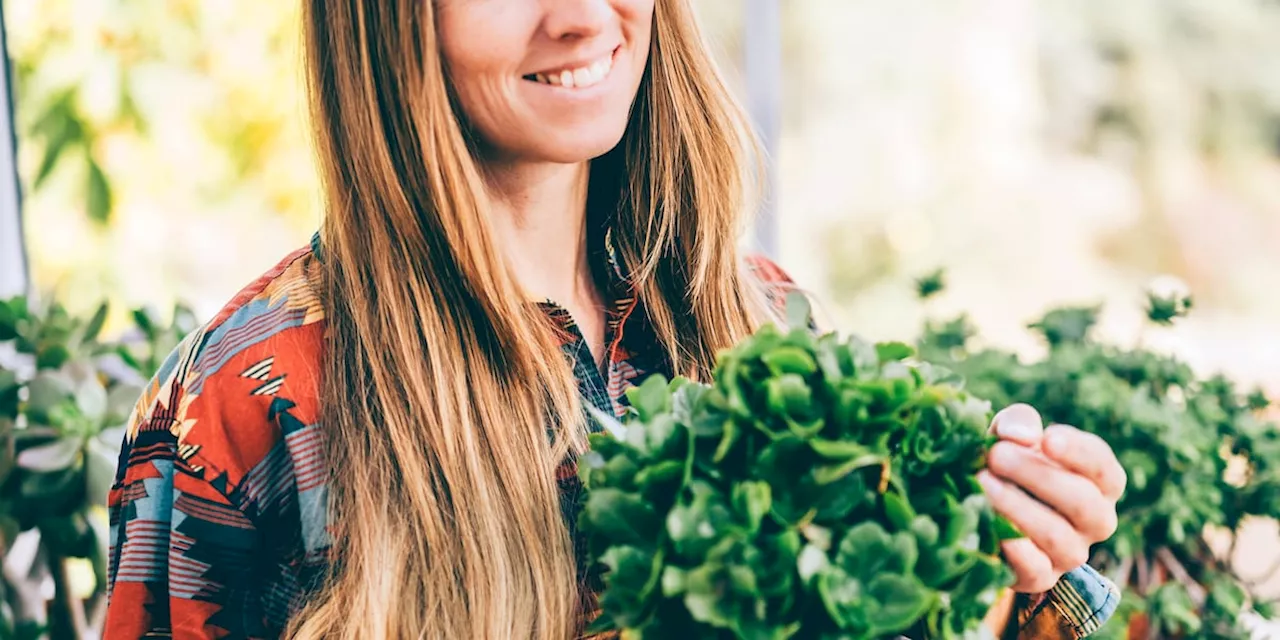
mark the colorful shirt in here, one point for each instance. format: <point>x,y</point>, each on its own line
<point>219,518</point>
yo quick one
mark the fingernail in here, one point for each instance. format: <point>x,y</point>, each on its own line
<point>1016,430</point>
<point>989,483</point>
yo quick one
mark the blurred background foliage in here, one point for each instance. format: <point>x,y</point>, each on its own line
<point>162,145</point>
<point>1085,145</point>
<point>1046,152</point>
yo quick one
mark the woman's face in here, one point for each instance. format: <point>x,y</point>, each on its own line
<point>546,80</point>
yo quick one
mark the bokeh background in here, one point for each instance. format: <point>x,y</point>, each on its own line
<point>1042,151</point>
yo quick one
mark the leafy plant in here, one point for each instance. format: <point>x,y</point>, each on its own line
<point>819,488</point>
<point>64,398</point>
<point>1197,453</point>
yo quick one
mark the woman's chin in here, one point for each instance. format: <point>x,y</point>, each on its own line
<point>572,147</point>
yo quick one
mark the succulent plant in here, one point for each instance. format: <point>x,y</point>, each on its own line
<point>818,487</point>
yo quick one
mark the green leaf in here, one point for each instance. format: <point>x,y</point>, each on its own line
<point>632,579</point>
<point>898,511</point>
<point>621,516</point>
<point>98,201</point>
<point>1006,530</point>
<point>799,312</point>
<point>52,356</point>
<point>1164,309</point>
<point>931,284</point>
<point>790,360</point>
<point>650,398</point>
<point>100,470</point>
<point>55,456</point>
<point>46,391</point>
<point>1068,325</point>
<point>894,351</point>
<point>900,600</point>
<point>829,473</point>
<point>610,424</point>
<point>843,598</point>
<point>96,322</point>
<point>868,550</point>
<point>91,398</point>
<point>753,500</point>
<point>61,130</point>
<point>121,400</point>
<point>811,562</point>
<point>9,318</point>
<point>696,525</point>
<point>145,319</point>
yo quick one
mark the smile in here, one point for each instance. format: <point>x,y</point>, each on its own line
<point>579,77</point>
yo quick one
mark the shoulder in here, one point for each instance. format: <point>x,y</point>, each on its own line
<point>230,392</point>
<point>771,280</point>
<point>767,272</point>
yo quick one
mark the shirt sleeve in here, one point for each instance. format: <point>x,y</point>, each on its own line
<point>1076,607</point>
<point>180,550</point>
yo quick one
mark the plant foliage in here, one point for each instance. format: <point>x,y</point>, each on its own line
<point>820,487</point>
<point>1198,455</point>
<point>65,395</point>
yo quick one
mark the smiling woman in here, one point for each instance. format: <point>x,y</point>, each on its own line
<point>377,438</point>
<point>555,85</point>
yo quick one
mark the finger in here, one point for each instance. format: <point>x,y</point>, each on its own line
<point>1032,568</point>
<point>1072,496</point>
<point>1088,455</point>
<point>1019,423</point>
<point>1051,532</point>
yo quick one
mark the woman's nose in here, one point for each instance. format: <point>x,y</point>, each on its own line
<point>576,19</point>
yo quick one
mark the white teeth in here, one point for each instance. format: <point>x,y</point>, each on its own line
<point>581,77</point>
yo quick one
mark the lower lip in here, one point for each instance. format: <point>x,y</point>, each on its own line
<point>580,93</point>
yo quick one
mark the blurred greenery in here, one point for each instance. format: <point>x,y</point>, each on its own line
<point>1199,454</point>
<point>65,397</point>
<point>168,127</point>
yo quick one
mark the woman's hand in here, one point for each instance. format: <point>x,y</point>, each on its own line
<point>1059,486</point>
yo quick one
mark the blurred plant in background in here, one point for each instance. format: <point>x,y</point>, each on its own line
<point>1201,460</point>
<point>65,396</point>
<point>162,145</point>
<point>1049,151</point>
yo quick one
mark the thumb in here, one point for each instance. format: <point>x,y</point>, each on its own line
<point>1019,423</point>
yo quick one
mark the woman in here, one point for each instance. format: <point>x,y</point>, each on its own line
<point>376,439</point>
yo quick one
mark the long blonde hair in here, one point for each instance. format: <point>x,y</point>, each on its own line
<point>441,382</point>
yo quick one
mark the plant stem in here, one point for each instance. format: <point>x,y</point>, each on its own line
<point>1144,573</point>
<point>66,616</point>
<point>1121,575</point>
<point>1170,562</point>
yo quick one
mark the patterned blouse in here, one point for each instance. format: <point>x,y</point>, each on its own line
<point>219,509</point>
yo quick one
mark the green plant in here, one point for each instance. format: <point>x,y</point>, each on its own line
<point>65,395</point>
<point>819,488</point>
<point>1197,453</point>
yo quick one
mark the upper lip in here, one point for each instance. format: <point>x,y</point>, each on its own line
<point>576,63</point>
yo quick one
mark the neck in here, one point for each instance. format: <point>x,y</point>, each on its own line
<point>540,217</point>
